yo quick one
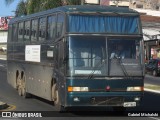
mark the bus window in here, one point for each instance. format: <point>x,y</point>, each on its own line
<point>124,57</point>
<point>42,28</point>
<point>60,23</point>
<point>10,32</point>
<point>125,49</point>
<point>14,32</point>
<point>87,58</point>
<point>26,30</point>
<point>20,31</point>
<point>47,53</point>
<point>34,28</point>
<point>51,27</point>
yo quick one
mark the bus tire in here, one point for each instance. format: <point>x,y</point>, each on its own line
<point>19,88</point>
<point>18,81</point>
<point>25,94</point>
<point>56,99</point>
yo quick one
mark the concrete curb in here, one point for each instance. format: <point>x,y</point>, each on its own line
<point>150,90</point>
<point>3,105</point>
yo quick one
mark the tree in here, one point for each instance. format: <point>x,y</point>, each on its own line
<point>21,8</point>
<point>8,2</point>
<point>40,5</point>
<point>25,7</point>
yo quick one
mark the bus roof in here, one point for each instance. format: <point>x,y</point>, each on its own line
<point>81,9</point>
<point>95,8</point>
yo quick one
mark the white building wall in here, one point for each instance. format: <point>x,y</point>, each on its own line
<point>3,36</point>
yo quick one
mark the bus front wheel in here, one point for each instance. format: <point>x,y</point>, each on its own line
<point>56,99</point>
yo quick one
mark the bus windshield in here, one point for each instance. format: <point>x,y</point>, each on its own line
<point>86,54</point>
<point>99,56</point>
<point>125,57</point>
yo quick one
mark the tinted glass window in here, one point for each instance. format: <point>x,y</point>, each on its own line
<point>14,32</point>
<point>47,53</point>
<point>34,28</point>
<point>60,25</point>
<point>20,31</point>
<point>51,27</point>
<point>26,30</point>
<point>42,29</point>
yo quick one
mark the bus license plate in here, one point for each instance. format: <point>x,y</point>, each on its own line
<point>129,104</point>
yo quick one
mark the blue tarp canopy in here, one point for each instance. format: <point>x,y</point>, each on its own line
<point>103,24</point>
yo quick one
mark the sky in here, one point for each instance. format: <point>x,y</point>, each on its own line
<point>7,10</point>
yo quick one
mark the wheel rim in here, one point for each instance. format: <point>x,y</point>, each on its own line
<point>18,82</point>
<point>23,86</point>
<point>56,97</point>
<point>19,89</point>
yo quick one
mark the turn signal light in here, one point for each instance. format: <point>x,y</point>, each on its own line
<point>77,89</point>
<point>135,88</point>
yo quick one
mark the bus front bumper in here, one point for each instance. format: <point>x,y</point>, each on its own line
<point>102,99</point>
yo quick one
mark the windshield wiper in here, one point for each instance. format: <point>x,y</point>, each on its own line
<point>96,66</point>
<point>123,68</point>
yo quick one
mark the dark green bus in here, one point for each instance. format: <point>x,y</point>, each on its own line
<point>68,55</point>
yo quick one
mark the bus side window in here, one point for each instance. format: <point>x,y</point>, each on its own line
<point>42,28</point>
<point>34,27</point>
<point>47,54</point>
<point>14,32</point>
<point>10,37</point>
<point>60,23</point>
<point>27,31</point>
<point>20,31</point>
<point>51,27</point>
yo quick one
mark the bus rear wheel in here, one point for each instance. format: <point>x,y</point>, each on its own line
<point>19,89</point>
<point>22,87</point>
<point>24,93</point>
<point>18,82</point>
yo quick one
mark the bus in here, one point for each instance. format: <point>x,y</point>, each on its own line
<point>64,55</point>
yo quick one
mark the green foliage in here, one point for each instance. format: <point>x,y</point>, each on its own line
<point>21,8</point>
<point>8,2</point>
<point>32,6</point>
<point>73,2</point>
<point>40,5</point>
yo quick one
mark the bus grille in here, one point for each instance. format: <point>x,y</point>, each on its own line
<point>107,100</point>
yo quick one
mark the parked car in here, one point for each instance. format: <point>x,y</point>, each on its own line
<point>153,67</point>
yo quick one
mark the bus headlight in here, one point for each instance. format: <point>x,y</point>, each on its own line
<point>78,89</point>
<point>135,88</point>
